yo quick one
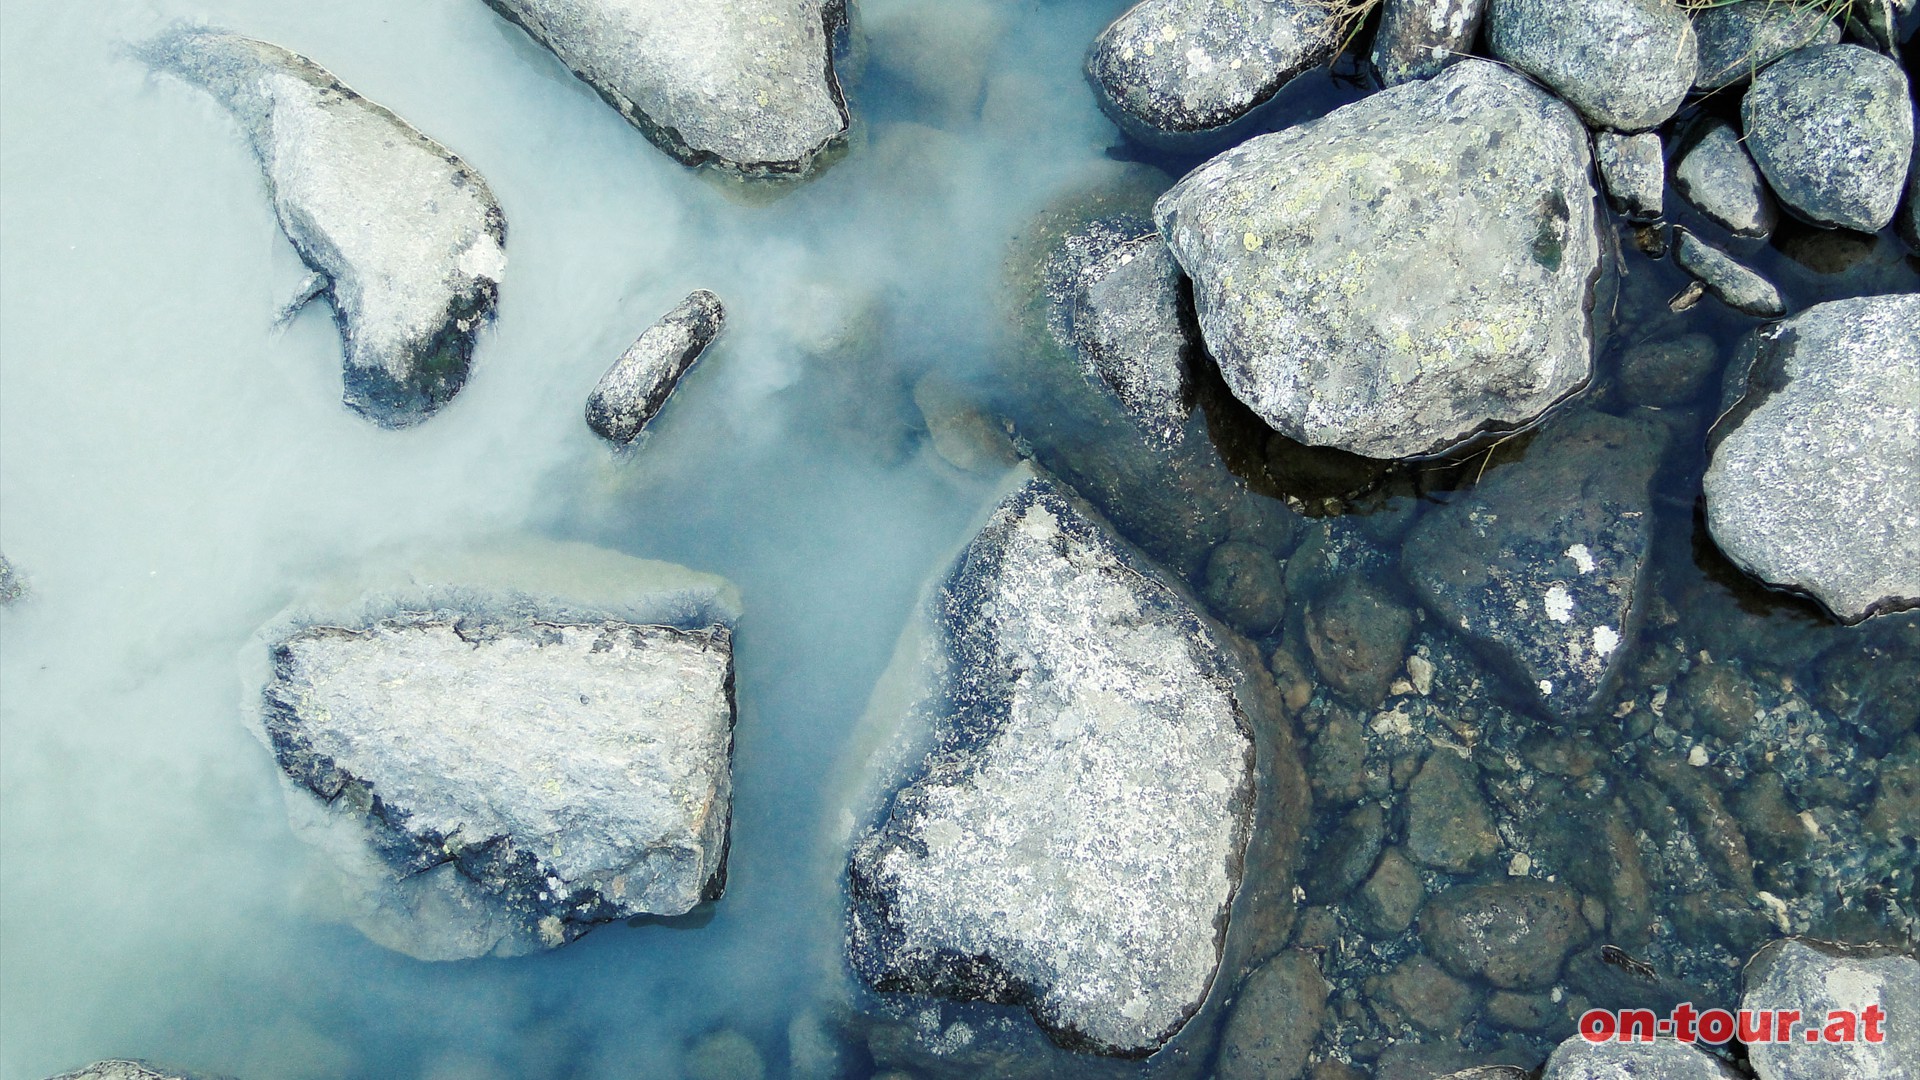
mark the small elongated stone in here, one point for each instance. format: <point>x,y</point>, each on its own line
<point>1740,288</point>
<point>638,384</point>
<point>1717,176</point>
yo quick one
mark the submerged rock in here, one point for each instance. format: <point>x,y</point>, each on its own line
<point>745,85</point>
<point>1812,485</point>
<point>1448,824</point>
<point>1403,273</point>
<point>1740,288</point>
<point>1738,40</point>
<point>1062,817</point>
<point>1178,71</point>
<point>1669,371</point>
<point>1417,38</point>
<point>1718,178</point>
<point>1831,126</point>
<point>1662,1059</point>
<point>633,390</point>
<point>1625,64</point>
<point>1276,1018</point>
<point>504,752</point>
<point>1542,564</point>
<point>1514,934</point>
<point>1817,979</point>
<point>404,238</point>
<point>1115,303</point>
<point>1635,172</point>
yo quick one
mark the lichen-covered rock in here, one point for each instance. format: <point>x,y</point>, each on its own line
<point>1403,273</point>
<point>1178,72</point>
<point>744,85</point>
<point>1625,64</point>
<point>1115,303</point>
<point>633,390</point>
<point>1817,979</point>
<point>1738,40</point>
<point>1812,485</point>
<point>1740,288</point>
<point>1417,38</point>
<point>1716,175</point>
<point>1514,934</point>
<point>1831,127</point>
<point>12,584</point>
<point>403,237</point>
<point>1634,169</point>
<point>1061,816</point>
<point>1662,1059</point>
<point>121,1069</point>
<point>1541,565</point>
<point>503,751</point>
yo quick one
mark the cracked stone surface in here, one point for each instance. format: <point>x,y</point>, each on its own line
<point>404,238</point>
<point>637,386</point>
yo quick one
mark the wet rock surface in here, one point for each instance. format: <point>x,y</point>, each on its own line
<point>638,384</point>
<point>1078,790</point>
<point>1716,175</point>
<point>1339,294</point>
<point>1663,1059</point>
<point>1818,978</point>
<point>1738,287</point>
<point>1541,563</point>
<point>1811,486</point>
<point>495,767</point>
<point>1831,127</point>
<point>1275,1020</point>
<point>1625,64</point>
<point>744,85</point>
<point>1740,39</point>
<point>404,238</point>
<point>1417,38</point>
<point>1634,169</point>
<point>1177,71</point>
<point>1358,634</point>
<point>1668,371</point>
<point>1513,934</point>
<point>1448,825</point>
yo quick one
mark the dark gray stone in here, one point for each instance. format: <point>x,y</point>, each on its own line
<point>1625,64</point>
<point>1811,486</point>
<point>1422,993</point>
<point>1337,764</point>
<point>1391,897</point>
<point>1358,635</point>
<point>1817,978</point>
<point>1514,934</point>
<point>1541,564</point>
<point>1403,273</point>
<point>1669,371</point>
<point>1634,169</point>
<point>1418,38</point>
<point>1663,1059</point>
<point>1347,855</point>
<point>1245,587</point>
<point>1831,127</point>
<point>403,237</point>
<point>1276,1018</point>
<point>746,85</point>
<point>1448,824</point>
<point>1737,40</point>
<point>1738,287</point>
<point>1716,175</point>
<point>1177,72</point>
<point>638,384</point>
<point>1909,220</point>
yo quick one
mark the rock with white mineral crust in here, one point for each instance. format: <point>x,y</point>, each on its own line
<point>404,238</point>
<point>744,85</point>
<point>1816,979</point>
<point>1061,816</point>
<point>1417,38</point>
<point>501,753</point>
<point>1634,169</point>
<point>638,384</point>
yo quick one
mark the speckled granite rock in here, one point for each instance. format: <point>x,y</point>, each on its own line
<point>633,390</point>
<point>1831,127</point>
<point>1634,169</point>
<point>501,751</point>
<point>121,1069</point>
<point>12,584</point>
<point>1060,815</point>
<point>1738,287</point>
<point>1663,1059</point>
<point>1625,64</point>
<point>1740,39</point>
<point>1817,978</point>
<point>1115,304</point>
<point>1174,72</point>
<point>1812,485</point>
<point>1417,38</point>
<point>745,85</point>
<point>1541,564</point>
<point>1400,275</point>
<point>403,237</point>
<point>1716,175</point>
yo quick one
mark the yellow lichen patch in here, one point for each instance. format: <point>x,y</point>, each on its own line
<point>1251,241</point>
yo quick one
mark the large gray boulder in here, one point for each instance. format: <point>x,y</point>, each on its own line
<point>743,85</point>
<point>1417,38</point>
<point>1662,1059</point>
<point>1738,40</point>
<point>637,386</point>
<point>1178,72</point>
<point>1812,485</point>
<point>1404,273</point>
<point>1060,810</point>
<point>502,751</point>
<point>1625,64</point>
<point>1831,127</point>
<point>1818,978</point>
<point>1542,565</point>
<point>403,237</point>
<point>1716,175</point>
